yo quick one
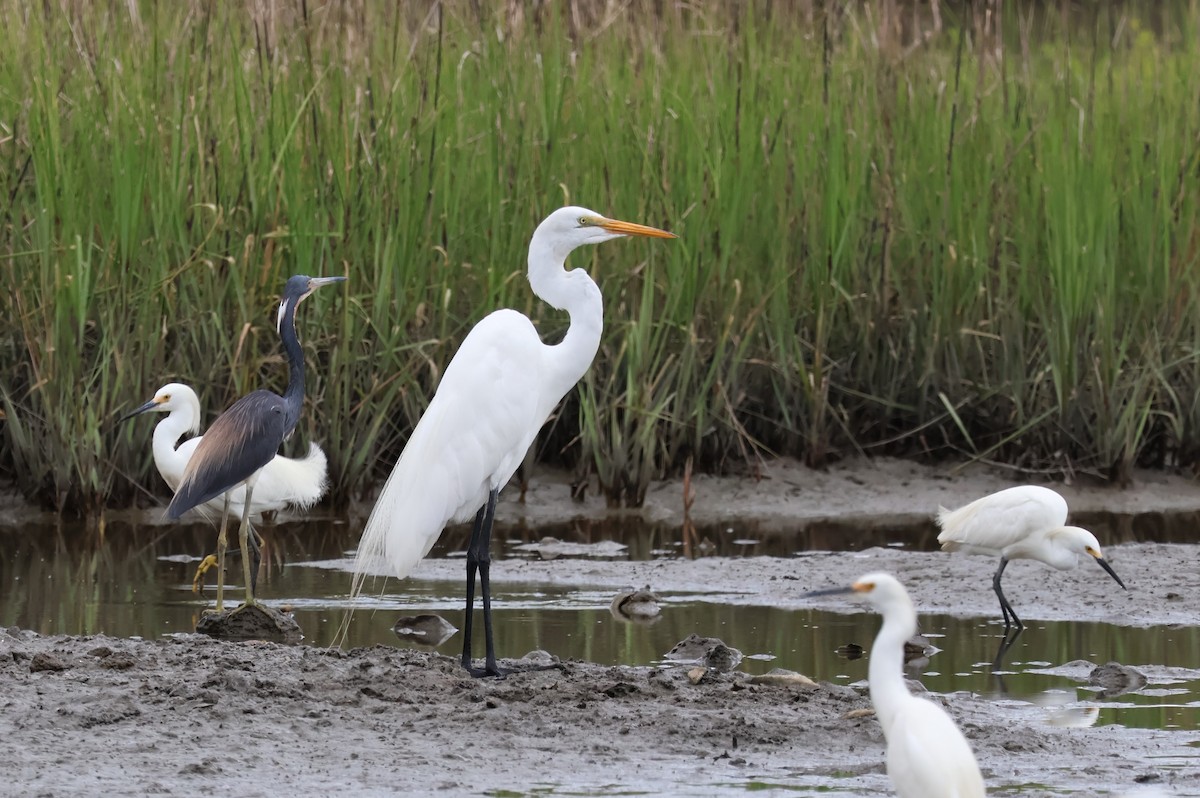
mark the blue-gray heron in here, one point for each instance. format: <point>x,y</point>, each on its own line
<point>498,390</point>
<point>283,482</point>
<point>247,436</point>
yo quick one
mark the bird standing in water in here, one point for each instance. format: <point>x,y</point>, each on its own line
<point>1026,522</point>
<point>283,482</point>
<point>927,754</point>
<point>245,438</point>
<point>498,390</point>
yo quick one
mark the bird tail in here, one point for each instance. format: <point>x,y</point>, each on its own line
<point>945,520</point>
<point>305,476</point>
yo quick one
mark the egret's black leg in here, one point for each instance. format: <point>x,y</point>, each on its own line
<point>472,568</point>
<point>490,668</point>
<point>1005,607</point>
<point>479,560</point>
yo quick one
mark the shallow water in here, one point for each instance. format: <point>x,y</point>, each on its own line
<point>136,581</point>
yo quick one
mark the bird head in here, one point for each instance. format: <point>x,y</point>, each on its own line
<point>1082,541</point>
<point>172,396</point>
<point>297,289</point>
<point>876,589</point>
<point>572,227</point>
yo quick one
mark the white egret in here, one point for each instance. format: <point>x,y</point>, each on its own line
<point>247,436</point>
<point>927,754</point>
<point>498,390</point>
<point>1026,522</point>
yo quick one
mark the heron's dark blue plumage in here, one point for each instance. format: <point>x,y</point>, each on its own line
<point>245,437</point>
<point>241,441</point>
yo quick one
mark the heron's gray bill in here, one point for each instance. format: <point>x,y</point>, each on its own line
<point>148,406</point>
<point>1104,564</point>
<point>830,591</point>
<point>317,282</point>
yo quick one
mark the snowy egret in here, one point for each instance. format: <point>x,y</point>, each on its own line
<point>296,482</point>
<point>1026,522</point>
<point>498,390</point>
<point>927,755</point>
<point>247,436</point>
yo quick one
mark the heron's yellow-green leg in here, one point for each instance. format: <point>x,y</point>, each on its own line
<point>222,544</point>
<point>244,539</point>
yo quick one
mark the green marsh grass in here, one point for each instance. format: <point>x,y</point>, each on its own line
<point>965,241</point>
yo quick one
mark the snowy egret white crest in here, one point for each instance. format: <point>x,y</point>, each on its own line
<point>497,392</point>
<point>927,754</point>
<point>1026,522</point>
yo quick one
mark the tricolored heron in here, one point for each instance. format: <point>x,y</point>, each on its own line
<point>495,395</point>
<point>283,482</point>
<point>247,436</point>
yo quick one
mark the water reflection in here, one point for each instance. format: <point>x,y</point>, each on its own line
<point>135,580</point>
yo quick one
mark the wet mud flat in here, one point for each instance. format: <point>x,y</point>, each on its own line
<point>193,715</point>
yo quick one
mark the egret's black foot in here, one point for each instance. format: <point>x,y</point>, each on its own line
<point>499,672</point>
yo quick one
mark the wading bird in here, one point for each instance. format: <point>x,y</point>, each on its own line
<point>498,390</point>
<point>927,755</point>
<point>1022,523</point>
<point>247,436</point>
<point>283,482</point>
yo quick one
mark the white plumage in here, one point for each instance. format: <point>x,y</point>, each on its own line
<point>1026,522</point>
<point>498,390</point>
<point>927,754</point>
<point>299,483</point>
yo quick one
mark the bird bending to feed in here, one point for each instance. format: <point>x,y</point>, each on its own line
<point>1026,522</point>
<point>247,436</point>
<point>927,755</point>
<point>283,482</point>
<point>498,390</point>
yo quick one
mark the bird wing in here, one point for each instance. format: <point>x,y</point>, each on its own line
<point>470,440</point>
<point>241,441</point>
<point>928,757</point>
<point>994,522</point>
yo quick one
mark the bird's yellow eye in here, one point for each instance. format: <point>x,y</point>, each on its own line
<point>583,221</point>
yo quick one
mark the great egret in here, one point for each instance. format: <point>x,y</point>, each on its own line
<point>283,482</point>
<point>495,395</point>
<point>927,755</point>
<point>247,436</point>
<point>1026,522</point>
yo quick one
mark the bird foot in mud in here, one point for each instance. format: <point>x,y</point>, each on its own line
<point>205,565</point>
<point>531,663</point>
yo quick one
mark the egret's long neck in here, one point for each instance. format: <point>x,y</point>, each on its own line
<point>293,397</point>
<point>167,434</point>
<point>886,671</point>
<point>577,294</point>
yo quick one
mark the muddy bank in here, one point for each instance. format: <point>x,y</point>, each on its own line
<point>1163,581</point>
<point>785,494</point>
<point>189,715</point>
